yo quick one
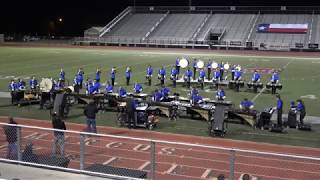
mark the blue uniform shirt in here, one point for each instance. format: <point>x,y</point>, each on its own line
<point>157,96</point>
<point>137,88</point>
<point>128,74</point>
<point>194,64</point>
<point>256,76</point>
<point>33,83</point>
<point>62,75</point>
<point>177,62</point>
<point>162,72</point>
<point>216,74</point>
<point>275,77</point>
<point>194,91</point>
<point>220,94</point>
<point>109,88</point>
<point>174,71</point>
<point>80,75</point>
<point>189,73</point>
<point>300,106</point>
<point>113,74</point>
<point>279,104</point>
<point>237,74</point>
<point>246,104</point>
<point>196,99</point>
<point>149,71</point>
<point>202,74</point>
<point>165,91</point>
<point>96,87</point>
<point>122,92</point>
<point>13,86</point>
<point>209,65</point>
<point>98,75</point>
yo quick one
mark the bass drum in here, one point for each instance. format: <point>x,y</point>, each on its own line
<point>183,63</point>
<point>200,64</point>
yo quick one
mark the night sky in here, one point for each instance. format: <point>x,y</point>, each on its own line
<point>37,17</point>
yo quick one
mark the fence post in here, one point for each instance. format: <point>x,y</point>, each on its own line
<point>82,149</point>
<point>152,160</point>
<point>19,143</point>
<point>232,160</point>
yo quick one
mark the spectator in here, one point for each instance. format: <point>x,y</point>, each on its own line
<point>58,123</point>
<point>90,112</point>
<point>11,134</point>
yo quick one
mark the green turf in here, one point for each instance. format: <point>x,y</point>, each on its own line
<point>46,62</point>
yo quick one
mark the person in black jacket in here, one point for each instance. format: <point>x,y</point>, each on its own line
<point>58,123</point>
<point>90,112</point>
<point>11,135</point>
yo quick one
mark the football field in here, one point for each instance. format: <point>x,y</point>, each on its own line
<point>300,77</point>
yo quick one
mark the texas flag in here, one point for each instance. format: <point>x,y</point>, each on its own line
<point>282,28</point>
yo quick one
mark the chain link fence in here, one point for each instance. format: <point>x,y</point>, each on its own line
<point>121,157</point>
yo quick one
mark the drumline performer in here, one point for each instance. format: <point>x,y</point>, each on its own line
<point>209,67</point>
<point>13,87</point>
<point>246,105</point>
<point>233,70</point>
<point>113,75</point>
<point>128,75</point>
<point>95,87</point>
<point>194,65</point>
<point>255,79</point>
<point>174,76</point>
<point>162,75</point>
<point>216,77</point>
<point>279,108</point>
<point>98,74</point>
<point>33,83</point>
<point>77,83</point>
<point>202,75</point>
<point>220,95</point>
<point>157,96</point>
<point>221,66</point>
<point>178,65</point>
<point>137,88</point>
<point>149,73</point>
<point>122,92</point>
<point>187,77</point>
<point>237,78</point>
<point>62,75</point>
<point>81,77</point>
<point>165,93</point>
<point>109,87</point>
<point>301,108</point>
<point>274,80</point>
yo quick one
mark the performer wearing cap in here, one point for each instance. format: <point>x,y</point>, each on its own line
<point>178,65</point>
<point>209,67</point>
<point>33,83</point>
<point>128,75</point>
<point>187,77</point>
<point>301,109</point>
<point>194,65</point>
<point>137,88</point>
<point>80,76</point>
<point>279,110</point>
<point>274,80</point>
<point>174,76</point>
<point>202,75</point>
<point>162,75</point>
<point>149,73</point>
<point>122,92</point>
<point>13,87</point>
<point>62,75</point>
<point>113,75</point>
<point>98,75</point>
<point>109,87</point>
<point>220,95</point>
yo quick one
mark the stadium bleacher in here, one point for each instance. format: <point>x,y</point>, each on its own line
<point>236,28</point>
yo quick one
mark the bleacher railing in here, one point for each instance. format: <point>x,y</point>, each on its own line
<point>123,157</point>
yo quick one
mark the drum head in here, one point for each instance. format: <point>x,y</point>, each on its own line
<point>46,85</point>
<point>200,64</point>
<point>214,65</point>
<point>226,66</point>
<point>183,63</point>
